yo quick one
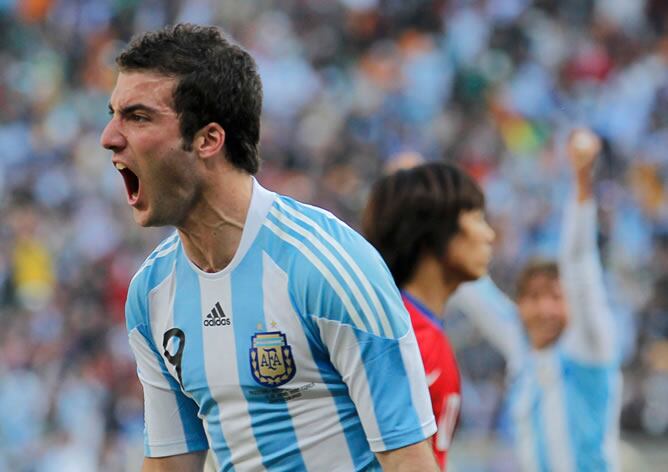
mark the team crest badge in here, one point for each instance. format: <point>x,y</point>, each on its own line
<point>271,359</point>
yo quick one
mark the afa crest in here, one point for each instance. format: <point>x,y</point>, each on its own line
<point>271,359</point>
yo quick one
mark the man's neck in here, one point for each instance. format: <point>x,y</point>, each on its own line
<point>212,232</point>
<point>430,287</point>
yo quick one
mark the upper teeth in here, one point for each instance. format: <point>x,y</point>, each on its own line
<point>120,166</point>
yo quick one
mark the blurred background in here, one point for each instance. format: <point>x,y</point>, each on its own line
<point>494,85</point>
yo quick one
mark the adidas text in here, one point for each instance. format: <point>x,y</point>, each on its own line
<point>216,317</point>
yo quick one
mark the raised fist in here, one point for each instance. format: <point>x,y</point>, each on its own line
<point>583,146</point>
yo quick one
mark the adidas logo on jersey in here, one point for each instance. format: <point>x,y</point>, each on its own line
<point>216,317</point>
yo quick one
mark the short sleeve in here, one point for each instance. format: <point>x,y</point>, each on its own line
<point>365,328</point>
<point>171,424</point>
<point>495,315</point>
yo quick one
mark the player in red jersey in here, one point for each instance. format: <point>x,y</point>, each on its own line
<point>428,223</point>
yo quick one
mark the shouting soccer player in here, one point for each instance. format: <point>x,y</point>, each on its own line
<point>428,223</point>
<point>559,341</point>
<point>263,328</point>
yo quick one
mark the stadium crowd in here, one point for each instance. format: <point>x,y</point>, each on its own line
<point>349,85</point>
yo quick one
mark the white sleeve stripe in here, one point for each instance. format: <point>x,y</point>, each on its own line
<point>323,270</point>
<point>162,424</point>
<point>343,341</point>
<point>387,326</point>
<point>366,309</point>
<point>410,355</point>
<point>168,279</point>
<point>167,241</point>
<point>344,254</point>
<point>149,262</point>
<point>313,437</point>
<point>158,251</point>
<point>165,251</point>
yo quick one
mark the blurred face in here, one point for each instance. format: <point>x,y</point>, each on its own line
<point>543,310</point>
<point>160,177</point>
<point>469,252</point>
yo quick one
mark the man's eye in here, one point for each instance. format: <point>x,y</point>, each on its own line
<point>139,118</point>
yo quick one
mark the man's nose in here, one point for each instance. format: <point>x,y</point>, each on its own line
<point>112,138</point>
<point>491,235</point>
<point>547,307</point>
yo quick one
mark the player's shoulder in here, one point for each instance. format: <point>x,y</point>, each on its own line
<point>318,230</point>
<point>162,256</point>
<point>427,332</point>
<point>333,271</point>
<point>320,245</point>
<point>313,218</point>
<point>587,365</point>
<point>155,268</point>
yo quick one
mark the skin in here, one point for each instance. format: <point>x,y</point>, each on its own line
<point>144,135</point>
<point>543,310</point>
<point>192,462</point>
<point>582,154</point>
<point>542,305</point>
<point>200,193</point>
<point>466,258</point>
<point>197,191</point>
<point>414,458</point>
<point>469,252</point>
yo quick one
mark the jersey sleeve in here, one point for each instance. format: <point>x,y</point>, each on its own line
<point>171,424</point>
<point>590,335</point>
<point>364,327</point>
<point>495,315</point>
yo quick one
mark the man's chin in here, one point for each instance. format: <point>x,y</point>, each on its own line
<point>143,218</point>
<point>475,274</point>
<point>147,219</point>
<point>549,339</point>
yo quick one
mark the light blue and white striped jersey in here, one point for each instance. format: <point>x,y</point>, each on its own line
<point>299,355</point>
<point>564,400</point>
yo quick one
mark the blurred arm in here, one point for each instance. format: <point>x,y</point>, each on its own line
<point>191,462</point>
<point>495,315</point>
<point>590,333</point>
<point>414,458</point>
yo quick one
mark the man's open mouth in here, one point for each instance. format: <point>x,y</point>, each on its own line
<point>131,182</point>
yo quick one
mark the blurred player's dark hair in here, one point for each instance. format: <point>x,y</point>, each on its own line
<point>415,211</point>
<point>533,268</point>
<point>218,82</point>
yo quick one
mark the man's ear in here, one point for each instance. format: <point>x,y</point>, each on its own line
<point>209,140</point>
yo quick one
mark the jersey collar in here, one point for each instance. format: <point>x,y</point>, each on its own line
<point>423,309</point>
<point>261,201</point>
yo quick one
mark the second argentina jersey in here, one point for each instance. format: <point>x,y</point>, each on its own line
<point>297,356</point>
<point>564,400</point>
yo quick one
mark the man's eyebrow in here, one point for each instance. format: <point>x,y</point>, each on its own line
<point>124,111</point>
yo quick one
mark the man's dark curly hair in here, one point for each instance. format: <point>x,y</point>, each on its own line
<point>217,82</point>
<point>415,212</point>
